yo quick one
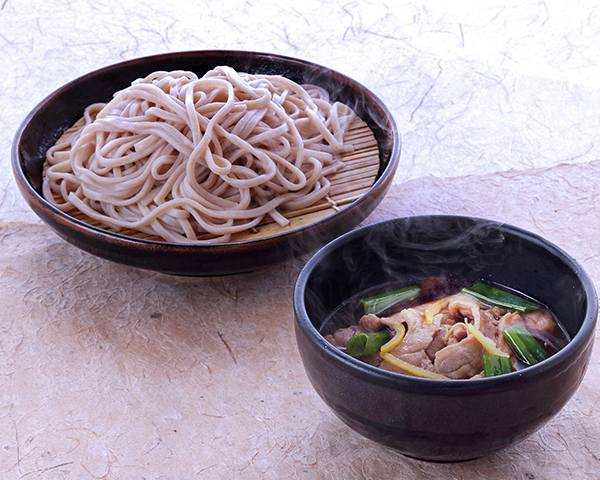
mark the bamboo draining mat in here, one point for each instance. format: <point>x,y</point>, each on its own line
<point>347,185</point>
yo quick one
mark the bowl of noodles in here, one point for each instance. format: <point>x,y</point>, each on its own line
<point>206,163</point>
<point>466,296</point>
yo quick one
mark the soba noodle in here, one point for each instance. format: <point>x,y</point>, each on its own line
<point>182,157</point>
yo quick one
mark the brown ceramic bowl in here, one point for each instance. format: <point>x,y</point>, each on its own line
<point>444,420</point>
<point>46,123</point>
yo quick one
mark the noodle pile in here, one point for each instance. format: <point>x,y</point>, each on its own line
<point>195,160</point>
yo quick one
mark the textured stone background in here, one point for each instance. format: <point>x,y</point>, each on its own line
<point>115,373</point>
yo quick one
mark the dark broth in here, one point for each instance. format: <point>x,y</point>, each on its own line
<point>434,288</point>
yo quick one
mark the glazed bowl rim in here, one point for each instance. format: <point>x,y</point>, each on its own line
<point>399,381</point>
<point>395,142</point>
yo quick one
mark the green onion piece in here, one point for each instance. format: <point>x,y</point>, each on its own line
<point>496,365</point>
<point>493,296</point>
<point>380,302</point>
<point>525,346</point>
<point>365,344</point>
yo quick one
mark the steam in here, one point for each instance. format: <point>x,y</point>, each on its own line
<point>364,103</point>
<point>438,244</point>
<point>408,250</point>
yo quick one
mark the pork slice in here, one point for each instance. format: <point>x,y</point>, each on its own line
<point>487,323</point>
<point>367,324</point>
<point>460,306</point>
<point>446,318</point>
<point>370,323</point>
<point>460,360</point>
<point>457,332</point>
<point>340,337</point>
<point>438,342</point>
<point>418,337</point>
<point>511,319</point>
<point>540,321</point>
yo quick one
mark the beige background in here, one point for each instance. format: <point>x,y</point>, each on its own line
<point>115,373</point>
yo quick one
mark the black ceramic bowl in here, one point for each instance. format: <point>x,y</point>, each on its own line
<point>444,420</point>
<point>60,110</point>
